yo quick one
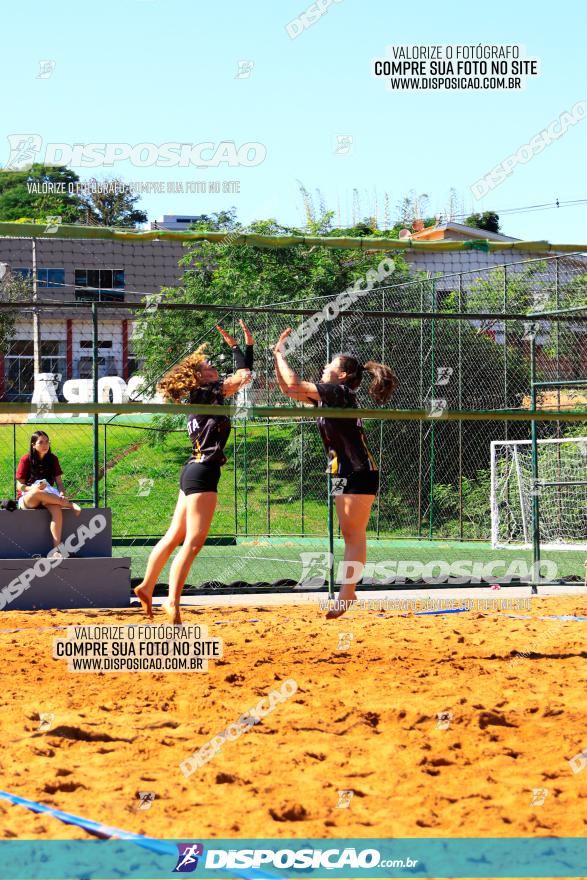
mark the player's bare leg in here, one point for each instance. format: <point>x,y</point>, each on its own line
<point>353,513</point>
<point>159,555</point>
<point>200,509</point>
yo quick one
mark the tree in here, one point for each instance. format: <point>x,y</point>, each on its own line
<point>110,203</point>
<point>22,195</point>
<point>231,273</point>
<point>13,289</point>
<point>489,221</point>
<point>220,220</point>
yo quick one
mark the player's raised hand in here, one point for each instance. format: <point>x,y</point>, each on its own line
<point>247,332</point>
<point>281,340</point>
<point>230,340</point>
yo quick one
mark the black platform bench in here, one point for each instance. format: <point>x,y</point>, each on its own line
<point>91,579</point>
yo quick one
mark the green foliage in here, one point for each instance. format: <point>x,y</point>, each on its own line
<point>117,207</point>
<point>489,221</point>
<point>13,289</point>
<point>228,273</point>
<point>16,201</point>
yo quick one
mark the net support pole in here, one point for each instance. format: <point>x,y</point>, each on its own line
<point>235,448</point>
<point>14,459</point>
<point>36,317</point>
<point>105,460</point>
<point>460,403</point>
<point>95,417</point>
<point>432,426</point>
<point>535,499</point>
<point>330,504</point>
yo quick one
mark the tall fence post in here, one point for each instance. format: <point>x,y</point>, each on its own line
<point>460,406</point>
<point>105,460</point>
<point>267,458</point>
<point>432,425</point>
<point>421,422</point>
<point>302,457</point>
<point>14,459</point>
<point>96,455</point>
<point>235,449</point>
<point>330,504</point>
<point>535,499</point>
<point>383,361</point>
<point>505,347</point>
<point>36,317</point>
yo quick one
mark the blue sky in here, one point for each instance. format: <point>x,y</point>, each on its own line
<point>155,71</point>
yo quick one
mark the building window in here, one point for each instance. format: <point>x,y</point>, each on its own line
<point>20,371</point>
<point>51,278</point>
<point>106,359</point>
<point>104,285</point>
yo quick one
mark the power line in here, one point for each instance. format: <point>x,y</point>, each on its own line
<point>546,206</point>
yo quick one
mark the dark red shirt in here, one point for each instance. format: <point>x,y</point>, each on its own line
<point>47,468</point>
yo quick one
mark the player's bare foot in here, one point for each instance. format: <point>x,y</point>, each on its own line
<point>172,611</point>
<point>145,597</point>
<point>76,508</point>
<point>340,606</point>
<point>346,598</point>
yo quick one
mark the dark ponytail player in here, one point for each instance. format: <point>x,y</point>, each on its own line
<point>355,477</point>
<point>194,379</point>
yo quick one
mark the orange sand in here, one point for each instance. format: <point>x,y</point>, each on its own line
<point>363,719</point>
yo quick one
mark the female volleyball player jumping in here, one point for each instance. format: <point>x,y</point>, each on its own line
<point>196,380</point>
<point>355,477</point>
<point>37,475</point>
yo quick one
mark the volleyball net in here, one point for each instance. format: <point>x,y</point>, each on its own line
<point>460,345</point>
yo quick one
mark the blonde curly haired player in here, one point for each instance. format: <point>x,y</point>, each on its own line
<point>196,380</point>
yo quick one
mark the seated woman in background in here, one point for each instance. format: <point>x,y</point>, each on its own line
<point>37,474</point>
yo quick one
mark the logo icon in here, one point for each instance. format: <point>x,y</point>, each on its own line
<point>443,375</point>
<point>53,224</point>
<point>531,330</point>
<point>345,797</point>
<point>244,69</point>
<point>344,641</point>
<point>337,485</point>
<point>146,799</point>
<point>344,144</point>
<point>579,761</point>
<point>187,860</point>
<point>444,719</point>
<point>46,68</point>
<point>539,795</point>
<point>46,720</point>
<point>23,150</point>
<point>315,568</point>
<point>145,486</point>
<point>437,406</point>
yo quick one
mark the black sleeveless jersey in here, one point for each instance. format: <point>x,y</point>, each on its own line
<point>344,439</point>
<point>208,434</point>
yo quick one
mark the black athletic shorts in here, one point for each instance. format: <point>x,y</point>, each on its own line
<point>358,483</point>
<point>199,477</point>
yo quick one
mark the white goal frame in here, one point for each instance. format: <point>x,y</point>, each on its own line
<point>525,517</point>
